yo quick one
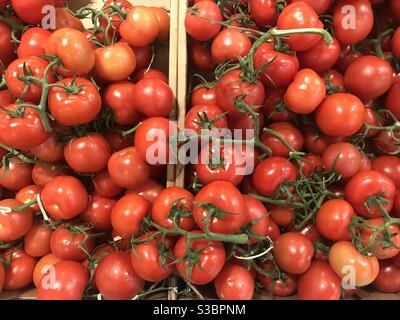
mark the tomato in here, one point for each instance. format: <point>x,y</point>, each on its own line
<point>128,213</point>
<point>5,98</point>
<point>115,62</point>
<point>283,216</point>
<point>281,71</point>
<point>42,175</point>
<point>28,194</point>
<point>123,5</point>
<point>203,95</point>
<point>116,279</point>
<point>225,197</point>
<point>199,21</point>
<point>379,249</point>
<point>372,119</point>
<point>50,150</point>
<point>15,223</point>
<point>37,240</point>
<point>290,133</point>
<point>77,107</point>
<point>284,287</point>
<point>351,265</point>
<point>309,164</point>
<point>104,186</point>
<point>141,27</point>
<point>320,57</point>
<point>340,114</point>
<point>73,48</point>
<point>18,175</point>
<point>388,279</point>
<point>320,282</point>
<point>352,20</point>
<point>65,19</point>
<point>244,126</point>
<point>33,42</point>
<point>31,12</point>
<point>150,190</point>
<point>231,86</point>
<point>310,231</point>
<point>343,158</point>
<point>88,154</point>
<point>368,77</point>
<point>200,55</point>
<point>119,97</point>
<point>7,46</point>
<point>19,273</point>
<point>152,140</point>
<point>196,118</point>
<point>396,43</point>
<point>293,252</point>
<point>146,260</point>
<point>65,280</point>
<point>150,74</point>
<point>210,261</point>
<point>143,57</point>
<point>263,12</point>
<point>163,205</point>
<point>275,170</point>
<point>36,66</point>
<point>335,79</point>
<point>367,184</point>
<point>320,6</point>
<point>230,44</point>
<point>333,220</point>
<point>42,267</point>
<point>299,15</point>
<point>234,283</point>
<point>163,23</point>
<point>153,97</point>
<point>98,212</point>
<point>117,140</point>
<point>387,142</point>
<point>64,197</point>
<point>388,165</point>
<point>392,100</point>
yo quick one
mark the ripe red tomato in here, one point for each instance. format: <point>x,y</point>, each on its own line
<point>42,267</point>
<point>396,43</point>
<point>210,263</point>
<point>73,48</point>
<point>203,95</point>
<point>127,169</point>
<point>105,186</point>
<point>351,265</point>
<point>116,279</point>
<point>281,287</point>
<point>340,114</point>
<point>230,44</point>
<point>392,100</point>
<point>275,170</point>
<point>5,98</point>
<point>234,283</point>
<point>28,194</point>
<point>196,116</point>
<point>33,42</point>
<point>293,252</point>
<point>367,184</point>
<point>199,21</point>
<point>65,280</point>
<point>51,150</point>
<point>98,212</point>
<point>115,62</point>
<point>388,279</point>
<point>200,55</point>
<point>263,12</point>
<point>319,282</point>
<point>14,224</point>
<point>283,216</point>
<point>150,190</point>
<point>64,197</point>
<point>320,6</point>
<point>368,77</point>
<point>7,46</point>
<point>388,165</point>
<point>300,15</point>
<point>163,205</point>
<point>150,74</point>
<point>88,154</point>
<point>37,240</point>
<point>333,220</point>
<point>163,23</point>
<point>117,140</point>
<point>352,20</point>
<point>140,28</point>
<point>146,260</point>
<point>128,213</point>
<point>42,175</point>
<point>31,12</point>
<point>18,175</point>
<point>65,19</point>
<point>309,164</point>
<point>226,197</point>
<point>153,97</point>
<point>343,158</point>
<point>19,273</point>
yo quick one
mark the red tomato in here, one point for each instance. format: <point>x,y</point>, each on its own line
<point>343,158</point>
<point>340,114</point>
<point>163,23</point>
<point>98,212</point>
<point>299,15</point>
<point>320,282</point>
<point>14,223</point>
<point>143,57</point>
<point>289,133</point>
<point>150,190</point>
<point>31,12</point>
<point>200,55</point>
<point>7,46</point>
<point>225,197</point>
<point>19,273</point>
<point>203,95</point>
<point>283,287</point>
<point>163,206</point>
<point>33,42</point>
<point>150,74</point>
<point>392,100</point>
<point>42,175</point>
<point>64,197</point>
<point>351,265</point>
<point>388,165</point>
<point>37,240</point>
<point>28,194</point>
<point>230,44</point>
<point>352,20</point>
<point>18,175</point>
<point>273,108</point>
<point>199,21</point>
<point>388,279</point>
<point>198,116</point>
<point>263,12</point>
<point>367,184</point>
<point>65,280</point>
<point>333,220</point>
<point>282,216</point>
<point>234,283</point>
<point>293,252</point>
<point>127,169</point>
<point>309,164</point>
<point>117,140</point>
<point>210,261</point>
<point>116,279</point>
<point>128,213</point>
<point>396,43</point>
<point>5,98</point>
<point>105,186</point>
<point>42,267</point>
<point>51,150</point>
<point>65,19</point>
<point>320,6</point>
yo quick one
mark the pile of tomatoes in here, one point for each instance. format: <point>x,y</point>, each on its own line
<point>85,213</point>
